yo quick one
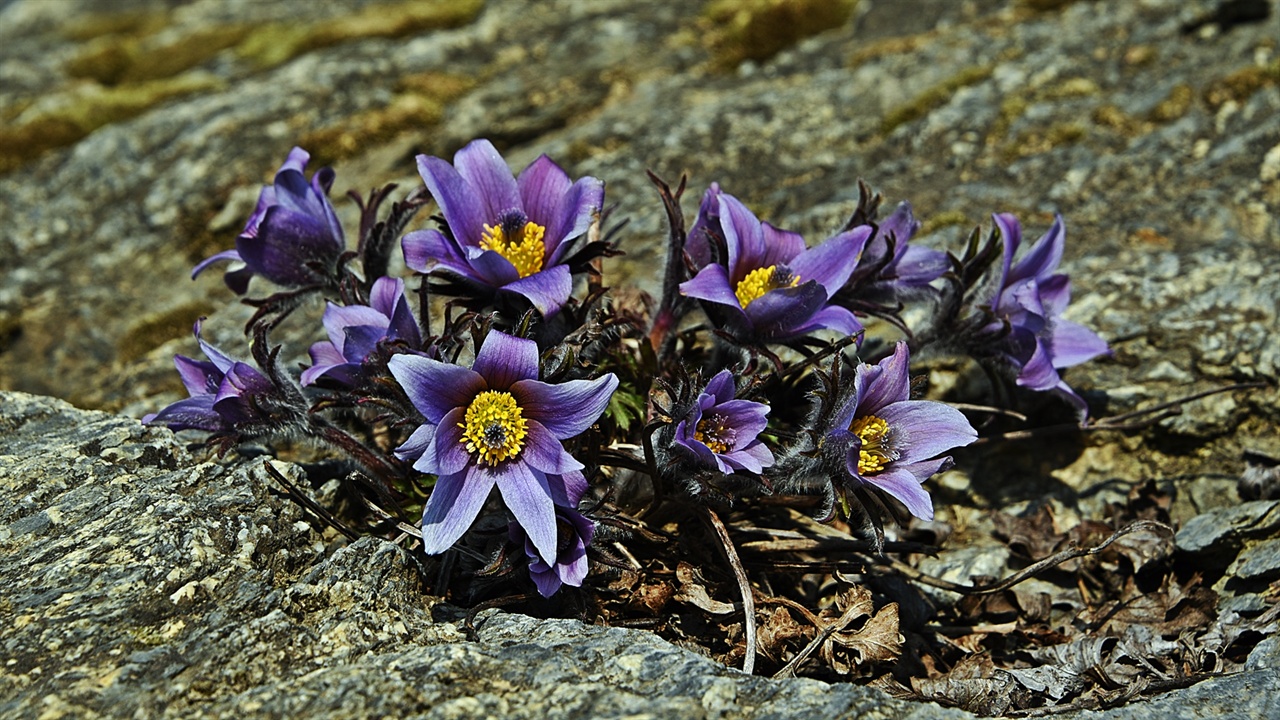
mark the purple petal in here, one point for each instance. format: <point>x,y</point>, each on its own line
<point>527,496</point>
<point>543,452</point>
<point>832,262</point>
<point>193,413</point>
<point>386,294</point>
<point>832,317</point>
<point>198,376</point>
<point>464,212</point>
<point>447,453</point>
<point>324,355</point>
<point>426,248</point>
<point>781,247</point>
<point>566,409</point>
<point>780,313</point>
<point>922,429</point>
<point>1044,256</point>
<point>886,382</point>
<point>491,268</point>
<point>746,417</point>
<point>921,266</point>
<point>226,255</point>
<point>453,506</point>
<point>543,185</point>
<point>547,580</point>
<point>504,360</point>
<point>1072,344</point>
<point>483,168</point>
<point>722,387</point>
<point>904,486</point>
<point>1037,371</point>
<point>581,207</point>
<point>711,284</point>
<point>705,226</point>
<point>567,489</point>
<point>743,236</point>
<point>1011,237</point>
<point>434,387</point>
<point>546,290</point>
<point>417,443</point>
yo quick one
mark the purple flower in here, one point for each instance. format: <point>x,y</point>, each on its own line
<point>705,233</point>
<point>355,331</point>
<point>223,393</point>
<point>892,440</point>
<point>910,266</point>
<point>293,237</point>
<point>772,288</point>
<point>569,567</point>
<point>497,424</point>
<point>1028,306</point>
<point>505,234</point>
<point>721,432</point>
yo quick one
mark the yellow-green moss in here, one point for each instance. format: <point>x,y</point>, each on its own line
<point>156,329</point>
<point>87,110</point>
<point>739,30</point>
<point>95,25</point>
<point>419,105</point>
<point>1040,141</point>
<point>889,46</point>
<point>943,220</point>
<point>934,97</point>
<point>1173,107</point>
<point>1241,84</point>
<point>134,59</point>
<point>276,43</point>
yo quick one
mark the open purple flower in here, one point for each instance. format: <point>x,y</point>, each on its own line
<point>355,331</point>
<point>770,287</point>
<point>504,233</point>
<point>569,566</point>
<point>893,441</point>
<point>1028,306</point>
<point>722,432</point>
<point>223,393</point>
<point>497,424</point>
<point>908,266</point>
<point>293,237</point>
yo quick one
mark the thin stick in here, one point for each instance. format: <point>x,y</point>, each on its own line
<point>744,586</point>
<point>1029,571</point>
<point>307,503</point>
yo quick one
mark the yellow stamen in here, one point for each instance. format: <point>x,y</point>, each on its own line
<point>494,427</point>
<point>526,251</point>
<point>762,280</point>
<point>711,431</point>
<point>875,453</point>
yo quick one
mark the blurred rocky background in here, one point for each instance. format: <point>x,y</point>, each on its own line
<point>135,135</point>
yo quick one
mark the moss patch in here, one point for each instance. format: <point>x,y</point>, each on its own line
<point>934,97</point>
<point>739,30</point>
<point>157,329</point>
<point>115,60</point>
<point>276,43</point>
<point>943,220</point>
<point>419,105</point>
<point>1241,84</point>
<point>88,109</point>
<point>1173,107</point>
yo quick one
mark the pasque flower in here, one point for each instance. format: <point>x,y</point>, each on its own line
<point>505,233</point>
<point>770,287</point>
<point>223,393</point>
<point>355,331</point>
<point>907,266</point>
<point>493,424</point>
<point>1027,329</point>
<point>293,237</point>
<point>892,442</point>
<point>569,566</point>
<point>721,432</point>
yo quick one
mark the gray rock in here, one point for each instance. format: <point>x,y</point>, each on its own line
<point>1221,530</point>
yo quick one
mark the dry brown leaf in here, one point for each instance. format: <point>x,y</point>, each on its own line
<point>693,591</point>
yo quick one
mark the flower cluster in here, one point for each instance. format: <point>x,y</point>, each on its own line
<point>505,362</point>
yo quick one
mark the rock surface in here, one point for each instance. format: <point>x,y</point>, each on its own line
<point>134,136</point>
